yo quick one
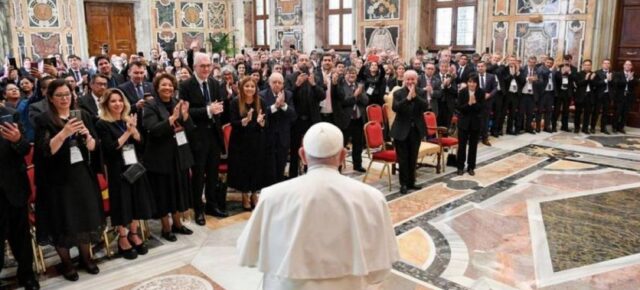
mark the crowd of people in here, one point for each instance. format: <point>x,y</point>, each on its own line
<point>156,127</point>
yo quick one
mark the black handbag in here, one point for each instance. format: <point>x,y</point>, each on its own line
<point>134,172</point>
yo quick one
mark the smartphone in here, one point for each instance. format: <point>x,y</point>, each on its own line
<point>305,70</point>
<point>77,114</point>
<point>6,119</point>
<point>50,61</point>
<point>140,54</point>
<point>292,46</point>
<point>12,62</point>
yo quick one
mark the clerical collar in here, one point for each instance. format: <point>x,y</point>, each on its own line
<point>322,166</point>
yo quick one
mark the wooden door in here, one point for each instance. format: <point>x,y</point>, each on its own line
<point>112,24</point>
<point>627,47</point>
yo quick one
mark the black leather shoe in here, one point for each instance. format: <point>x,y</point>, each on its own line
<point>31,284</point>
<point>622,131</point>
<point>359,169</point>
<point>585,131</point>
<point>217,213</point>
<point>129,253</point>
<point>471,172</point>
<point>200,219</point>
<point>460,172</point>
<point>414,187</point>
<point>403,189</point>
<point>169,236</point>
<point>141,249</point>
<point>606,132</point>
<point>592,131</point>
<point>576,130</point>
<point>181,230</point>
<point>91,267</point>
<point>71,275</point>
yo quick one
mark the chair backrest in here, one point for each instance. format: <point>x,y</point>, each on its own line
<point>373,135</point>
<point>374,113</point>
<point>32,184</point>
<point>431,122</point>
<point>29,157</point>
<point>389,114</point>
<point>226,132</point>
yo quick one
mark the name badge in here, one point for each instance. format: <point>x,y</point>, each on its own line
<point>76,155</point>
<point>387,89</point>
<point>588,88</point>
<point>181,138</point>
<point>129,154</point>
<point>370,91</point>
<point>513,87</point>
<point>565,81</point>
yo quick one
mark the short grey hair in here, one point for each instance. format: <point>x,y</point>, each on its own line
<point>198,57</point>
<point>274,76</point>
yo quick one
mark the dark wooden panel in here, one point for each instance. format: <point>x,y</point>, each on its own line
<point>630,34</point>
<point>631,2</point>
<point>112,24</point>
<point>626,46</point>
<point>629,53</point>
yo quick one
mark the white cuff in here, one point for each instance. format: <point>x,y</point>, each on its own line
<point>273,108</point>
<point>285,107</point>
<point>209,112</point>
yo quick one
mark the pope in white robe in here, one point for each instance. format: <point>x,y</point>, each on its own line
<point>321,230</point>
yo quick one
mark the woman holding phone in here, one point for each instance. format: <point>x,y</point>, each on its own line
<point>167,155</point>
<point>69,202</point>
<point>130,201</point>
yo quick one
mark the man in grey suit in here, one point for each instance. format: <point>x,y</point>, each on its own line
<point>488,83</point>
<point>351,115</point>
<point>433,87</point>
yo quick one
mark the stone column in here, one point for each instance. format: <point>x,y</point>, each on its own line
<point>5,32</point>
<point>412,25</point>
<point>142,12</point>
<point>238,23</point>
<point>603,30</point>
<point>309,25</point>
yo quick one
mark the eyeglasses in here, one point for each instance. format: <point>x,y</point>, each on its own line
<point>100,84</point>
<point>62,95</point>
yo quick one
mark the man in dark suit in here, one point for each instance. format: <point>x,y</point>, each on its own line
<point>14,195</point>
<point>497,69</point>
<point>280,115</point>
<point>513,86</point>
<point>308,92</point>
<point>408,130</point>
<point>585,90</point>
<point>603,97</point>
<point>90,102</point>
<point>488,83</point>
<point>625,83</point>
<point>350,114</point>
<point>565,86</point>
<point>136,87</point>
<point>464,69</point>
<point>79,74</point>
<point>448,95</point>
<point>433,88</point>
<point>529,95</point>
<point>547,88</point>
<point>104,67</point>
<point>205,106</point>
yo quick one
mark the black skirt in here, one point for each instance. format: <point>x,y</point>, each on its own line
<point>172,192</point>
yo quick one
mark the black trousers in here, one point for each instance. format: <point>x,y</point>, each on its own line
<point>545,109</point>
<point>486,115</point>
<point>204,176</point>
<point>298,130</point>
<point>512,103</point>
<point>623,105</point>
<point>470,138</point>
<point>561,106</point>
<point>354,133</point>
<point>525,112</point>
<point>498,113</point>
<point>281,152</point>
<point>582,114</point>
<point>444,114</point>
<point>327,118</point>
<point>14,226</point>
<point>601,105</point>
<point>407,154</point>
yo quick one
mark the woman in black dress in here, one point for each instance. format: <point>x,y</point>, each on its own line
<point>470,106</point>
<point>167,155</point>
<point>69,203</point>
<point>247,145</point>
<point>130,202</point>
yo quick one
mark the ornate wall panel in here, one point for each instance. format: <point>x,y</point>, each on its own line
<point>217,15</point>
<point>44,44</point>
<point>382,23</point>
<point>288,24</point>
<point>381,9</point>
<point>536,27</point>
<point>43,13</point>
<point>192,15</point>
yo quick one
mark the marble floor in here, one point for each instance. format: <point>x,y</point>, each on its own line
<point>545,211</point>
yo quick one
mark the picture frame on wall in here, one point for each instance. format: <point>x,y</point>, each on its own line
<point>381,10</point>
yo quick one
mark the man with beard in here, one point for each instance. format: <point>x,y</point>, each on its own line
<point>308,92</point>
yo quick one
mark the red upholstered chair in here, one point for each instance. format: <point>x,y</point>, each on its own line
<point>223,167</point>
<point>29,157</point>
<point>436,135</point>
<point>375,113</point>
<point>38,256</point>
<point>106,206</point>
<point>376,150</point>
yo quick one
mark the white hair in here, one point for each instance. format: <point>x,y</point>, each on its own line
<point>410,72</point>
<point>199,57</point>
<point>274,76</point>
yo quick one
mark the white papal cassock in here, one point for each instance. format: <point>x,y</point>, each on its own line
<point>321,230</point>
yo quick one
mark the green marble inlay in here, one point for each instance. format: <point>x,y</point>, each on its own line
<point>590,229</point>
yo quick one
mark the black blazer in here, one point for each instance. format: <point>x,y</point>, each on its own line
<point>345,100</point>
<point>602,85</point>
<point>568,89</point>
<point>468,69</point>
<point>88,104</point>
<point>408,113</point>
<point>14,184</point>
<point>620,83</point>
<point>490,84</point>
<point>115,80</point>
<point>581,90</point>
<point>508,77</point>
<point>306,98</point>
<point>470,116</point>
<point>161,147</point>
<point>129,91</point>
<point>206,130</point>
<point>279,122</point>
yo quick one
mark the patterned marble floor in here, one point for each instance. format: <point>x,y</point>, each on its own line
<point>546,211</point>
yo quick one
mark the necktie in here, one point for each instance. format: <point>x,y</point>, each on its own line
<point>530,72</point>
<point>205,92</point>
<point>77,73</point>
<point>140,91</point>
<point>354,112</point>
<point>482,81</point>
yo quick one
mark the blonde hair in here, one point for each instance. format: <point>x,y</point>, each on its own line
<point>105,113</point>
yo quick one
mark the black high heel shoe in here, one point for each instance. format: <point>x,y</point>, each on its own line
<point>141,248</point>
<point>90,267</point>
<point>129,253</point>
<point>70,273</point>
<point>169,236</point>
